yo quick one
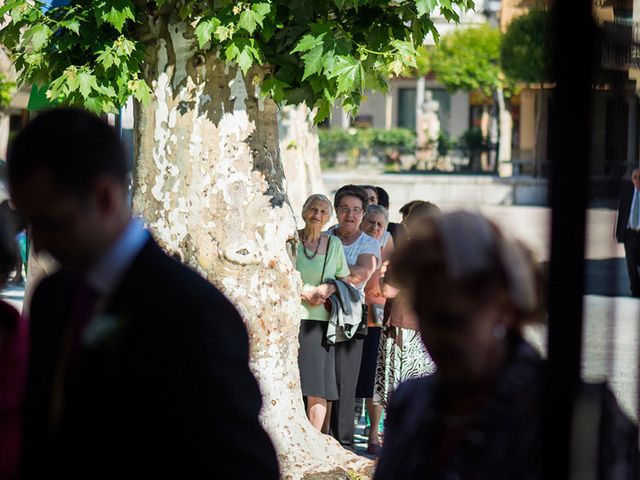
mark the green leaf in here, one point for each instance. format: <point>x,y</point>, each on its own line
<point>58,88</point>
<point>20,11</point>
<point>86,83</point>
<point>106,59</point>
<point>243,52</point>
<point>231,52</point>
<point>323,110</point>
<point>349,73</point>
<point>142,92</point>
<point>312,61</point>
<point>275,88</point>
<point>397,67</point>
<point>8,6</point>
<point>73,25</point>
<point>405,52</point>
<point>93,104</point>
<point>115,13</point>
<point>308,42</point>
<point>224,32</point>
<point>39,35</point>
<point>261,10</point>
<point>425,7</point>
<point>124,47</point>
<point>248,21</point>
<point>107,90</point>
<point>205,29</point>
<point>245,60</point>
<point>186,11</point>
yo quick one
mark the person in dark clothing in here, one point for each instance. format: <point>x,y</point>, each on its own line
<point>138,366</point>
<point>628,230</point>
<point>15,224</point>
<point>479,417</point>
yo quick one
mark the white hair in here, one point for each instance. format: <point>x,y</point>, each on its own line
<point>316,197</point>
<point>377,210</point>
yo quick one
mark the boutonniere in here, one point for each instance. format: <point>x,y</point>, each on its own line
<point>100,328</point>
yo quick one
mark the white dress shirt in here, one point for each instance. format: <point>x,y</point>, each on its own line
<point>109,269</point>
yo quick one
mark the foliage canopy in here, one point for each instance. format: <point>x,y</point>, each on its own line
<point>7,89</point>
<point>468,59</point>
<point>526,48</point>
<point>320,52</point>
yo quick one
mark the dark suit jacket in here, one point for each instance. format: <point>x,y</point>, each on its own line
<point>162,390</point>
<point>624,209</point>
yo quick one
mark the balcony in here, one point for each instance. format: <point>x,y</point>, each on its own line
<point>621,4</point>
<point>620,46</point>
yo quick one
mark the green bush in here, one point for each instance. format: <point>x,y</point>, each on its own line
<point>396,137</point>
<point>335,140</point>
<point>445,143</point>
<point>471,141</point>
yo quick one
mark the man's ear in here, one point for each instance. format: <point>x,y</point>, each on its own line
<point>106,194</point>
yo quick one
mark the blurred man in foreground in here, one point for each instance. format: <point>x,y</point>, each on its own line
<point>133,355</point>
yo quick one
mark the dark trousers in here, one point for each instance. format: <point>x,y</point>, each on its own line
<point>632,254</point>
<point>348,358</point>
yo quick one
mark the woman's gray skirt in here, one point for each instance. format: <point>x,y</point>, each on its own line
<point>317,361</point>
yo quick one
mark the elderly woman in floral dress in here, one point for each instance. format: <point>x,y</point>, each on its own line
<point>375,225</point>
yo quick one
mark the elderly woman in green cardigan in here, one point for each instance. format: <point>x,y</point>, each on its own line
<point>320,259</point>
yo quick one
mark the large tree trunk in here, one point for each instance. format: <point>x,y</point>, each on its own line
<point>209,182</point>
<point>300,156</point>
<point>505,122</point>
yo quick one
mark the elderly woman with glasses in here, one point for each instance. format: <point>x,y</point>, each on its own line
<point>320,259</point>
<point>363,257</point>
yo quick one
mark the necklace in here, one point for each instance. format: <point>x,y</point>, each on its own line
<point>315,252</point>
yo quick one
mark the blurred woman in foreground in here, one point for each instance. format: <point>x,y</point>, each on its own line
<point>480,415</point>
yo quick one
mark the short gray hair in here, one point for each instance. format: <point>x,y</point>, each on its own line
<point>377,210</point>
<point>316,197</point>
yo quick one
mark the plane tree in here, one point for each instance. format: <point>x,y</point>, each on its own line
<point>208,77</point>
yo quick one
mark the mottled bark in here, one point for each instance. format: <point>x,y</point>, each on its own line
<point>210,184</point>
<point>300,156</point>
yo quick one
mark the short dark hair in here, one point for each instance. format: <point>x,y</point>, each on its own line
<point>351,191</point>
<point>383,197</point>
<point>74,146</point>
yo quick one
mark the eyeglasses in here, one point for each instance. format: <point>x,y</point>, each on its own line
<point>346,210</point>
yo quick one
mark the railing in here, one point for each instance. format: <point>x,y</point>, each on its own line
<point>620,46</point>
